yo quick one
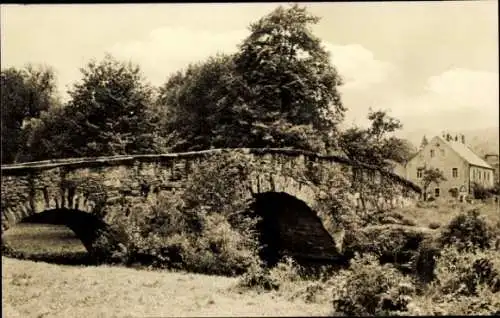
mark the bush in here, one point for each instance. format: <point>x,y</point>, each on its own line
<point>480,192</point>
<point>390,243</point>
<point>434,225</point>
<point>466,283</point>
<point>461,273</point>
<point>258,277</point>
<point>372,289</point>
<point>196,229</point>
<point>467,231</point>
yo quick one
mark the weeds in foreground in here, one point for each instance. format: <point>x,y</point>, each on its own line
<point>464,281</point>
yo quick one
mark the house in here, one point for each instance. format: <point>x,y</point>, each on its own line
<point>396,168</point>
<point>459,164</point>
<point>493,161</point>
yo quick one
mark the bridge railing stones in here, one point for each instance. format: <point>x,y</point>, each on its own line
<point>132,160</point>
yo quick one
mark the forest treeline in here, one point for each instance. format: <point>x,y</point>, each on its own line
<point>278,90</point>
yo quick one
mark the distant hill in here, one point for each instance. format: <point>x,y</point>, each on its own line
<point>482,141</point>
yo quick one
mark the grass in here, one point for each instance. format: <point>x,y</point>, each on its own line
<point>442,212</point>
<point>39,289</point>
<point>35,289</point>
<point>46,242</point>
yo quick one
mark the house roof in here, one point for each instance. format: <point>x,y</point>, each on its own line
<point>466,153</point>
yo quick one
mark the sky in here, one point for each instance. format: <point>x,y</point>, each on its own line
<point>433,65</point>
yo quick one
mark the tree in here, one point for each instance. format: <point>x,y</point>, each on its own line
<point>374,145</point>
<point>50,136</point>
<point>197,105</point>
<point>110,112</point>
<point>288,78</point>
<point>110,109</point>
<point>430,176</point>
<point>25,94</point>
<point>278,90</point>
<point>424,142</point>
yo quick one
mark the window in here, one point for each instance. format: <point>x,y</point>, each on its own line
<point>484,175</point>
<point>454,172</point>
<point>454,192</point>
<point>432,153</point>
<point>436,192</point>
<point>479,175</point>
<point>442,152</point>
<point>419,172</point>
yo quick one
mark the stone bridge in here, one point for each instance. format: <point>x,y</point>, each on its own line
<point>80,192</point>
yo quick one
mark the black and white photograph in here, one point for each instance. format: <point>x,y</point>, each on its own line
<point>250,159</point>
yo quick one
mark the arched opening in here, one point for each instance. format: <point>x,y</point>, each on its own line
<point>62,236</point>
<point>289,227</point>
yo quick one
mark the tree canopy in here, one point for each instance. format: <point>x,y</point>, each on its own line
<point>109,112</point>
<point>278,90</point>
<point>26,92</point>
<point>375,145</point>
<point>430,176</point>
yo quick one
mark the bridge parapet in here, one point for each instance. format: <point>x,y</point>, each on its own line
<point>130,160</point>
<point>97,185</point>
<point>91,184</point>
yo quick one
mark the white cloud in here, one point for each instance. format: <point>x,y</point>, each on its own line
<point>167,50</point>
<point>459,97</point>
<point>358,66</point>
<point>455,99</point>
<point>466,88</point>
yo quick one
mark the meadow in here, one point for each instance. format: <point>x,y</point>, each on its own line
<point>32,287</point>
<point>39,289</point>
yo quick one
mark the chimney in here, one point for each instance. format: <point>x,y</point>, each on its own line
<point>463,138</point>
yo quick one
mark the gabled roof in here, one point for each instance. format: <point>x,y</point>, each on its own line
<point>465,153</point>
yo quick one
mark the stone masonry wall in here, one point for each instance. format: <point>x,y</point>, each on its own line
<point>94,185</point>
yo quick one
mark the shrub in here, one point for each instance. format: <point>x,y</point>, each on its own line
<point>205,228</point>
<point>467,283</point>
<point>453,192</point>
<point>427,205</point>
<point>258,277</point>
<point>425,261</point>
<point>461,273</point>
<point>372,289</point>
<point>390,243</point>
<point>480,192</point>
<point>466,231</point>
<point>434,225</point>
<point>219,248</point>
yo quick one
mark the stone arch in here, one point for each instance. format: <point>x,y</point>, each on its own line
<point>97,236</point>
<point>303,191</point>
<point>46,199</point>
<point>290,227</point>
